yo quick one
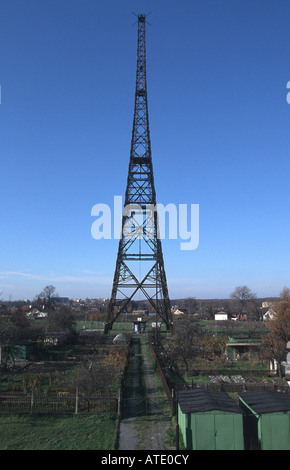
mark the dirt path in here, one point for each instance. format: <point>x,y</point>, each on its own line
<point>144,427</point>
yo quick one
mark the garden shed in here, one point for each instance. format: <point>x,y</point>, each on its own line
<point>139,326</point>
<point>266,420</point>
<point>209,420</point>
<point>120,338</point>
<point>23,351</point>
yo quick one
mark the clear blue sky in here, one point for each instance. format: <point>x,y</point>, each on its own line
<point>217,72</point>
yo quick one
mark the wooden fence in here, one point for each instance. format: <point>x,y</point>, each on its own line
<point>241,387</point>
<point>227,371</point>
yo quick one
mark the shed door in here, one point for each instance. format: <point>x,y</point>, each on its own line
<point>224,432</point>
<point>218,431</point>
<point>275,431</point>
<point>204,431</point>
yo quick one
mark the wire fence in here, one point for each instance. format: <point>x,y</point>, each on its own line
<point>50,404</point>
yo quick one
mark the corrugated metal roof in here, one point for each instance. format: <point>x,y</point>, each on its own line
<point>193,401</point>
<point>263,401</point>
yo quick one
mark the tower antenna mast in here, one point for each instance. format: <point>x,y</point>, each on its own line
<point>140,244</point>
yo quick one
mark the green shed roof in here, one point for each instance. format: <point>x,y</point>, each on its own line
<point>193,401</point>
<point>263,401</point>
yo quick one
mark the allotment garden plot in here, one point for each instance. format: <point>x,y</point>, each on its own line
<point>79,378</point>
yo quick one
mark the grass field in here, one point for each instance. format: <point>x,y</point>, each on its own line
<point>93,432</point>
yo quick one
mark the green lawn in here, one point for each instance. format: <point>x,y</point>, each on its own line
<point>23,432</point>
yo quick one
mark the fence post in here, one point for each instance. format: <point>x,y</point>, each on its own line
<point>177,423</point>
<point>31,401</point>
<point>119,402</point>
<point>77,401</point>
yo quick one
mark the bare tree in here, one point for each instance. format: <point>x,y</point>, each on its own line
<point>285,294</point>
<point>184,343</point>
<point>47,296</point>
<point>243,294</point>
<point>6,333</point>
<point>245,300</point>
<point>62,319</point>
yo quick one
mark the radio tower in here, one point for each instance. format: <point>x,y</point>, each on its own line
<point>140,266</point>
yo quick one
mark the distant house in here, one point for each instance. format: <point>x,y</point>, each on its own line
<point>239,316</point>
<point>35,313</point>
<point>221,316</point>
<point>267,304</point>
<point>61,300</point>
<point>178,311</point>
<point>269,315</point>
<point>140,312</point>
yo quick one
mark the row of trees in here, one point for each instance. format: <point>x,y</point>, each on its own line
<point>241,301</point>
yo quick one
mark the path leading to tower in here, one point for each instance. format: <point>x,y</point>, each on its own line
<point>146,417</point>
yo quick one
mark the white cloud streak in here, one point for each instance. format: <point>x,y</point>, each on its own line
<point>87,278</point>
